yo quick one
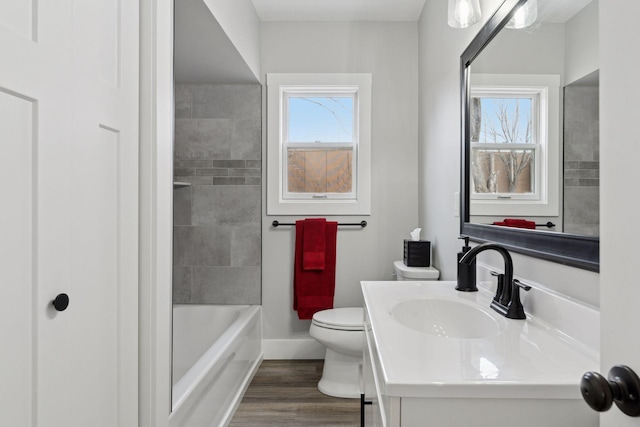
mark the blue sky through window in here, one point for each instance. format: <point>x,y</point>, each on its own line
<point>499,111</point>
<point>324,119</point>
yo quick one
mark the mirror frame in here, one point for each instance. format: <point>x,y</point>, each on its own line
<point>568,249</point>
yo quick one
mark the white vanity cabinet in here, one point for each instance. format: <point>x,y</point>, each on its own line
<point>382,410</point>
<point>372,414</point>
<point>522,374</point>
<point>385,411</point>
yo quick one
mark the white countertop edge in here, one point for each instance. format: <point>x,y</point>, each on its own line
<point>484,391</point>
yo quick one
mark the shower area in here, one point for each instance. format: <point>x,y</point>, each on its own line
<point>217,199</point>
<point>216,248</point>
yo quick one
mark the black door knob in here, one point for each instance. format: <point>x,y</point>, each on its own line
<point>61,302</point>
<point>622,387</point>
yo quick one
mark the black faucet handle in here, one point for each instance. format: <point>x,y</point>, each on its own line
<point>514,308</point>
<point>522,285</point>
<point>500,284</point>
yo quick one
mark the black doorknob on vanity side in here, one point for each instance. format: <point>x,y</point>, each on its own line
<point>622,387</point>
<point>61,302</point>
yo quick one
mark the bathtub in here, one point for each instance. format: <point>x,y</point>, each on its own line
<point>216,351</point>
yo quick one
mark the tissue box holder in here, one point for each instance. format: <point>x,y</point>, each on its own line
<point>417,253</point>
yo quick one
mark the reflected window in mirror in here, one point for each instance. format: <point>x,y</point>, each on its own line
<point>505,147</point>
<point>514,145</point>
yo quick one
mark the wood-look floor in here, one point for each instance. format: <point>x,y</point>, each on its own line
<point>284,393</point>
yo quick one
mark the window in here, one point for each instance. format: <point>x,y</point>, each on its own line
<point>318,144</point>
<point>514,145</point>
<point>505,143</point>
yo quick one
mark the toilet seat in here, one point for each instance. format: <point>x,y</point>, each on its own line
<point>343,319</point>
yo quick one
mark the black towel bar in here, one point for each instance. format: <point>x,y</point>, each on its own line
<point>548,225</point>
<point>362,224</point>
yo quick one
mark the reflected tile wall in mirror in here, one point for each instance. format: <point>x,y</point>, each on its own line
<point>581,160</point>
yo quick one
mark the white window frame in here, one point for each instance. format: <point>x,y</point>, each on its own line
<point>545,89</point>
<point>279,88</point>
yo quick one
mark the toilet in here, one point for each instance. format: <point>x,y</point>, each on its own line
<point>404,273</point>
<point>340,330</point>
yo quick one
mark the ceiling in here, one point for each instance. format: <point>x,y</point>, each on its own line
<point>554,11</point>
<point>559,11</point>
<point>339,10</point>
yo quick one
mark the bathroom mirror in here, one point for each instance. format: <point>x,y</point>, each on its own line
<point>529,75</point>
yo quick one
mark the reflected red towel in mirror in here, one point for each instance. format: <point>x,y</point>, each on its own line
<point>313,290</point>
<point>517,223</point>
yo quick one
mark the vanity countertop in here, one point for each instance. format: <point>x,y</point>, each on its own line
<point>522,359</point>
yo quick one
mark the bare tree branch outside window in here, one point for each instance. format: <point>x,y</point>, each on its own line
<point>501,124</point>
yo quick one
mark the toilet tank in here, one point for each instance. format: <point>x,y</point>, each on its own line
<point>404,273</point>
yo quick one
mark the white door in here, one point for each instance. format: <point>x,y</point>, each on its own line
<point>619,193</point>
<point>68,212</point>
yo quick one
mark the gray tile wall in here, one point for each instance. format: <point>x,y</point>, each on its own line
<point>217,237</point>
<point>581,160</point>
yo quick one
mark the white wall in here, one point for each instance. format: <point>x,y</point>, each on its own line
<point>620,150</point>
<point>239,20</point>
<point>439,129</point>
<point>439,138</point>
<point>156,194</point>
<point>389,51</point>
<point>540,51</point>
<point>582,43</point>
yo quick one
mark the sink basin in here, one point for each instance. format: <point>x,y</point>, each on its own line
<point>446,318</point>
<point>429,345</point>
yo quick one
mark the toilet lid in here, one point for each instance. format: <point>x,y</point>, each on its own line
<point>347,318</point>
<point>422,273</point>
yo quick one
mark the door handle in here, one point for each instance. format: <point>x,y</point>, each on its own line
<point>622,387</point>
<point>61,302</point>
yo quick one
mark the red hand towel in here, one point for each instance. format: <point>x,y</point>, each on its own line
<point>517,223</point>
<point>313,244</point>
<point>313,290</point>
<point>520,223</point>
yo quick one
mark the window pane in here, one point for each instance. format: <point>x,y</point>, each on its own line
<point>503,171</point>
<point>501,120</point>
<point>318,170</point>
<point>320,119</point>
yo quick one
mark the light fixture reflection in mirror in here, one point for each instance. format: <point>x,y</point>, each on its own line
<point>525,16</point>
<point>463,13</point>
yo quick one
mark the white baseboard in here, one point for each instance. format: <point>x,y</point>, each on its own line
<point>306,348</point>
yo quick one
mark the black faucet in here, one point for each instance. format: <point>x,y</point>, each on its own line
<point>507,298</point>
